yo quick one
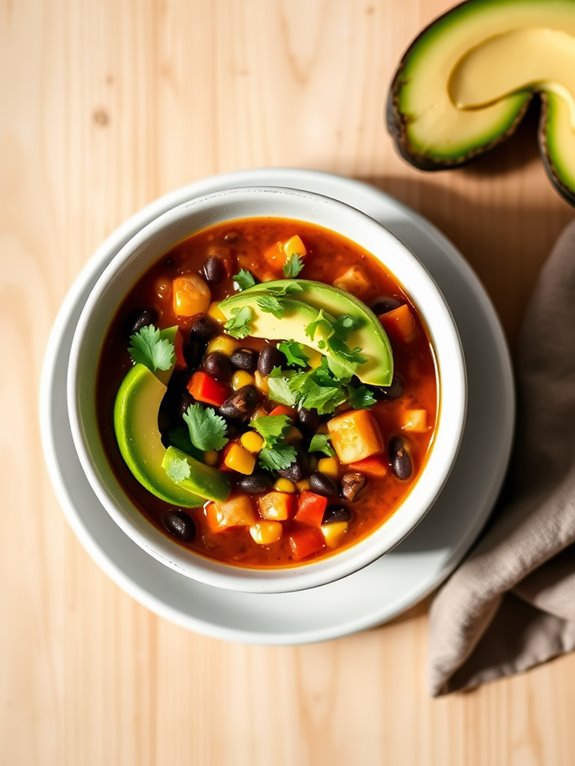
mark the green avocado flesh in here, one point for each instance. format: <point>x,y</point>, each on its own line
<point>136,426</point>
<point>211,483</point>
<point>302,308</point>
<point>465,83</point>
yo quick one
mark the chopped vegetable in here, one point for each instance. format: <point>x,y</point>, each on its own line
<point>285,485</point>
<point>277,458</point>
<point>239,325</point>
<point>149,348</point>
<point>283,409</point>
<point>310,508</point>
<point>329,466</point>
<point>295,353</point>
<point>354,281</point>
<point>205,388</point>
<point>277,506</point>
<point>375,466</point>
<point>305,542</point>
<point>252,441</point>
<point>235,512</point>
<point>279,387</point>
<point>207,430</point>
<point>354,435</point>
<point>238,459</point>
<point>293,265</point>
<point>272,427</point>
<point>244,279</point>
<point>333,534</point>
<point>360,397</point>
<point>321,443</point>
<point>414,420</point>
<point>399,324</point>
<point>190,295</point>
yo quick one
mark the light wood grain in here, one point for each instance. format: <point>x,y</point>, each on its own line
<point>106,105</point>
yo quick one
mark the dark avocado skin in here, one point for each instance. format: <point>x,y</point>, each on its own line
<point>396,122</point>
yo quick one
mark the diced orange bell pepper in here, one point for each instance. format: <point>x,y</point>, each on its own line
<point>414,420</point>
<point>190,295</point>
<point>277,506</point>
<point>205,388</point>
<point>354,436</point>
<point>305,542</point>
<point>235,512</point>
<point>399,324</point>
<point>310,508</point>
<point>374,466</point>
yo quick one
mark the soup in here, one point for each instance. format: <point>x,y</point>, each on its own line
<point>267,393</point>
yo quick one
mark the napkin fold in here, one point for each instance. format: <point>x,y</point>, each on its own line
<point>511,604</point>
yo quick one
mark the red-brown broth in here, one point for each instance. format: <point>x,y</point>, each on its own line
<point>242,244</point>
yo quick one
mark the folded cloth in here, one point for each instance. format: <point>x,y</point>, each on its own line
<point>511,604</point>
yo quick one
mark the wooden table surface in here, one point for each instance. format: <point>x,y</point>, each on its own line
<point>106,105</point>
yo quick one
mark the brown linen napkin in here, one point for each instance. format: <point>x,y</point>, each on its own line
<point>511,604</point>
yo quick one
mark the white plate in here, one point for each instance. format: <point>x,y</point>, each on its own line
<point>391,584</point>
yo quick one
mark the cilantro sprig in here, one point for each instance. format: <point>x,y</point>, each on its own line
<point>271,305</point>
<point>293,265</point>
<point>321,443</point>
<point>239,325</point>
<point>244,279</point>
<point>294,353</point>
<point>149,348</point>
<point>207,430</point>
<point>276,453</point>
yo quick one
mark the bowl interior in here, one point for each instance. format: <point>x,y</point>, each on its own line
<point>143,250</point>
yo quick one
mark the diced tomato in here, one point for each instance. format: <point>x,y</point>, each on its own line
<point>205,388</point>
<point>375,466</point>
<point>305,542</point>
<point>277,506</point>
<point>310,508</point>
<point>399,324</point>
<point>283,409</point>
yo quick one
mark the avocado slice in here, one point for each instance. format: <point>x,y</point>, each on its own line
<point>370,336</point>
<point>136,425</point>
<point>465,83</point>
<point>209,482</point>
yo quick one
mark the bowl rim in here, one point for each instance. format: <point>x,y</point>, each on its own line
<point>378,542</point>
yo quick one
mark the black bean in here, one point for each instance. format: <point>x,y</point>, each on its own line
<point>269,358</point>
<point>193,351</point>
<point>214,270</point>
<point>399,457</point>
<point>394,391</point>
<point>218,365</point>
<point>180,525</point>
<point>352,484</point>
<point>335,513</point>
<point>240,404</point>
<point>384,303</point>
<point>294,472</point>
<point>322,484</point>
<point>245,359</point>
<point>140,318</point>
<point>257,483</point>
<point>309,419</point>
<point>203,327</point>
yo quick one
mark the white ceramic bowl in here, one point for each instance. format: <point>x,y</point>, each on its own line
<point>144,249</point>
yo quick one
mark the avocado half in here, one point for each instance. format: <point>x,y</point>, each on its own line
<point>465,83</point>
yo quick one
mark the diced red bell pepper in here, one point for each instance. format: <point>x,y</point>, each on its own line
<point>310,508</point>
<point>283,409</point>
<point>205,388</point>
<point>305,542</point>
<point>375,466</point>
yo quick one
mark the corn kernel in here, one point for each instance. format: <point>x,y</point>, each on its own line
<point>211,457</point>
<point>266,532</point>
<point>224,344</point>
<point>252,441</point>
<point>313,357</point>
<point>239,459</point>
<point>242,378</point>
<point>285,485</point>
<point>294,246</point>
<point>302,485</point>
<point>261,382</point>
<point>334,533</point>
<point>293,435</point>
<point>216,313</point>
<point>329,466</point>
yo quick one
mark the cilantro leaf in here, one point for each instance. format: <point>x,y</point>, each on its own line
<point>287,288</point>
<point>244,279</point>
<point>294,353</point>
<point>360,397</point>
<point>239,324</point>
<point>177,469</point>
<point>318,390</point>
<point>293,265</point>
<point>277,458</point>
<point>271,305</point>
<point>272,427</point>
<point>207,430</point>
<point>321,323</point>
<point>345,323</point>
<point>279,389</point>
<point>321,443</point>
<point>179,437</point>
<point>149,348</point>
